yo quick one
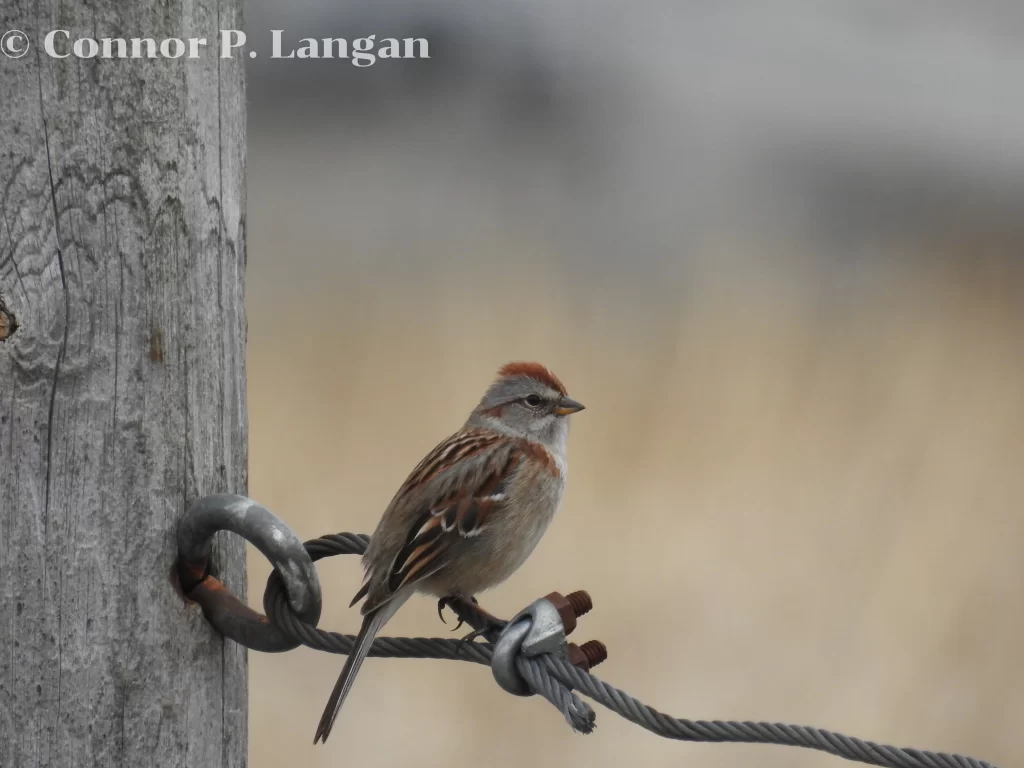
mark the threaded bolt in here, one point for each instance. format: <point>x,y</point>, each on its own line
<point>580,602</point>
<point>570,606</point>
<point>588,655</point>
<point>594,651</point>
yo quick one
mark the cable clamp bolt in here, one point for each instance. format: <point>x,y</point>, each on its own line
<point>539,628</point>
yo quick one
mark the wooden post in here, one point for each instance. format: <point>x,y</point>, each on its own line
<point>122,396</point>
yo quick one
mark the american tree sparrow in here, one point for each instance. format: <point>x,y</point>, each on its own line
<point>471,512</point>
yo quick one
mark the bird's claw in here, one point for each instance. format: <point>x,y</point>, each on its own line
<point>492,625</point>
<point>442,603</point>
<point>446,602</point>
<point>470,638</point>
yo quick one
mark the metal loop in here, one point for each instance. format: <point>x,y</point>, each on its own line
<point>503,658</point>
<point>278,543</point>
<point>536,629</point>
<point>547,630</point>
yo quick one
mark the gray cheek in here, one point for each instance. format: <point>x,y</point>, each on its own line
<point>549,428</point>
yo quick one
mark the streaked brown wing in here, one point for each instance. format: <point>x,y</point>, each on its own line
<point>461,515</point>
<point>448,454</point>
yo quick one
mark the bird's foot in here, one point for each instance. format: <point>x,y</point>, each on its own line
<point>468,610</point>
<point>485,632</point>
<point>485,624</point>
<point>448,601</point>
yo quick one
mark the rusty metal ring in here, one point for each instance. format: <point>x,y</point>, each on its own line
<point>278,543</point>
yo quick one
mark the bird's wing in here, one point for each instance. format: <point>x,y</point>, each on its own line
<point>450,496</point>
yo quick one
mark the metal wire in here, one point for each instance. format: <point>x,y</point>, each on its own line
<point>749,732</point>
<point>550,676</point>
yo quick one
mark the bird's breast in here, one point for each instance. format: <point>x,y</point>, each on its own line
<point>522,525</point>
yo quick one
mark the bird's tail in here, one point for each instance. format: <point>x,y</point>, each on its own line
<point>372,624</point>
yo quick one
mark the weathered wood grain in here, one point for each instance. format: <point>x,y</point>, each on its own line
<point>122,397</point>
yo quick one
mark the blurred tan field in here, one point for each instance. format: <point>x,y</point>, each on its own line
<point>790,503</point>
<point>774,247</point>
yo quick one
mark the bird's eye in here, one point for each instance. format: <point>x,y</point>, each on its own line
<point>533,400</point>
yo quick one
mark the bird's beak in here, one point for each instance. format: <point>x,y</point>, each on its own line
<point>567,405</point>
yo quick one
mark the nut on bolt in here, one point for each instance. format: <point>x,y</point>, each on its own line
<point>588,655</point>
<point>570,607</point>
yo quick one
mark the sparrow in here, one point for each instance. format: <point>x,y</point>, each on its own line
<point>471,512</point>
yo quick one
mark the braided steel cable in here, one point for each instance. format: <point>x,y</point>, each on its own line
<point>555,678</point>
<point>748,732</point>
<point>292,604</point>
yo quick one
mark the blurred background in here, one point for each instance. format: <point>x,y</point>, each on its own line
<point>775,247</point>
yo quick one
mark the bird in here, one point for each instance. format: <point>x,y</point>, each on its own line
<point>470,513</point>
